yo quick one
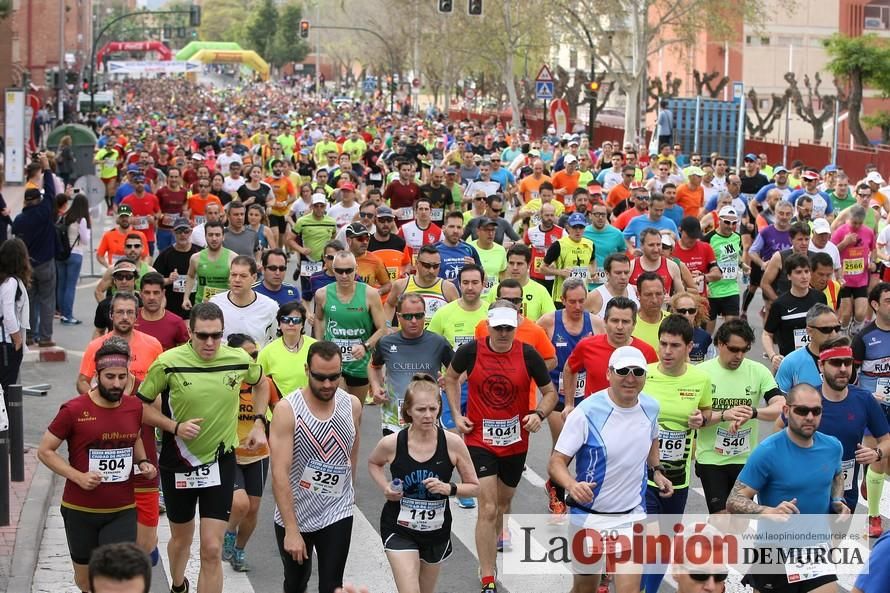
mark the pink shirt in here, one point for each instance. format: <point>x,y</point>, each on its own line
<point>855,257</point>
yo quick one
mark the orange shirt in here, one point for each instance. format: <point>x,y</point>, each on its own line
<point>197,205</point>
<point>246,420</point>
<point>617,194</point>
<point>692,201</point>
<point>111,246</point>
<point>144,349</point>
<point>529,187</point>
<point>283,189</point>
<point>532,334</point>
<point>562,180</point>
<point>371,270</point>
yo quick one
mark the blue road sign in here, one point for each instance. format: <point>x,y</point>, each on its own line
<point>543,89</point>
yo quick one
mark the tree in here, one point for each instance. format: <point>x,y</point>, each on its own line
<point>765,123</point>
<point>880,119</point>
<point>287,45</point>
<point>658,89</point>
<point>259,33</point>
<point>222,20</point>
<point>623,34</point>
<point>858,61</point>
<point>816,109</point>
<point>703,82</point>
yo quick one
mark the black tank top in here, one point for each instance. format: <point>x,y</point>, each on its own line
<point>413,473</point>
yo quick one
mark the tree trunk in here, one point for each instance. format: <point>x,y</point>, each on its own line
<point>509,76</point>
<point>818,130</point>
<point>855,109</point>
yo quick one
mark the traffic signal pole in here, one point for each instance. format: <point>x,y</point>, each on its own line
<point>117,19</point>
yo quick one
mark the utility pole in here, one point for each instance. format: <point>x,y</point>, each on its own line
<point>317,52</point>
<point>60,107</point>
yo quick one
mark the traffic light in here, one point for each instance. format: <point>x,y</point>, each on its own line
<point>71,78</point>
<point>446,6</point>
<point>194,16</point>
<point>48,78</point>
<point>474,7</point>
<point>304,29</point>
<point>591,89</point>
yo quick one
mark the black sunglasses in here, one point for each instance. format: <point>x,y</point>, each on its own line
<point>204,336</point>
<point>840,362</point>
<point>329,257</point>
<point>276,268</point>
<point>429,265</point>
<point>133,246</point>
<point>805,411</point>
<point>828,329</point>
<point>637,371</point>
<point>702,577</point>
<point>123,276</point>
<point>410,316</point>
<point>289,320</point>
<point>333,377</point>
<point>737,350</point>
<point>514,300</point>
<point>348,271</point>
<point>685,311</point>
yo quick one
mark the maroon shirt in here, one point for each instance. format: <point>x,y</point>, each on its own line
<point>170,330</point>
<point>86,426</point>
<point>401,195</point>
<point>172,203</point>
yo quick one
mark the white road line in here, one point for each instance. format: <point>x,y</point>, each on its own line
<point>54,573</point>
<point>367,563</point>
<point>233,582</point>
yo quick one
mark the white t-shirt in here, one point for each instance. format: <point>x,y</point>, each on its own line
<point>299,208</point>
<point>257,319</point>
<point>198,237</point>
<point>223,161</point>
<point>883,239</point>
<point>831,249</point>
<point>232,185</point>
<point>343,214</point>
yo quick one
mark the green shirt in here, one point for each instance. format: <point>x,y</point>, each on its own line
<point>537,300</point>
<point>678,397</point>
<point>212,276</point>
<point>455,324</point>
<point>648,332</point>
<point>841,204</point>
<point>494,261</point>
<point>744,386</point>
<point>287,142</point>
<point>349,325</point>
<point>728,253</point>
<point>314,233</point>
<point>287,369</point>
<point>192,387</point>
<point>355,149</point>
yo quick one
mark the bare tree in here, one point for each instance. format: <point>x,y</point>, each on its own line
<point>703,84</point>
<point>764,122</point>
<point>662,89</point>
<point>813,107</point>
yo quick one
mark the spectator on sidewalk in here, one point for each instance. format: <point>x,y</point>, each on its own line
<point>35,226</point>
<point>15,275</point>
<point>78,227</point>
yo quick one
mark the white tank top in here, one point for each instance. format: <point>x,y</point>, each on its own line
<point>320,473</point>
<point>607,296</point>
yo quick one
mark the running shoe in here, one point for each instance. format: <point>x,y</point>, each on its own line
<point>875,529</point>
<point>466,503</point>
<point>185,587</point>
<point>505,541</point>
<point>71,321</point>
<point>238,561</point>
<point>228,546</point>
<point>556,506</point>
<point>490,588</point>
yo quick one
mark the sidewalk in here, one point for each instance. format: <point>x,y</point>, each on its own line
<point>20,541</point>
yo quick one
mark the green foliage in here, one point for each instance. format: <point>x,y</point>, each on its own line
<point>880,119</point>
<point>867,56</point>
<point>259,33</point>
<point>286,44</point>
<point>223,20</point>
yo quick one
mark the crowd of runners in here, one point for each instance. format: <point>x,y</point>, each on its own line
<point>278,264</point>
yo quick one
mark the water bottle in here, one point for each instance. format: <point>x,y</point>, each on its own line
<point>396,485</point>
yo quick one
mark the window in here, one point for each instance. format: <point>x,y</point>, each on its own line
<point>573,59</point>
<point>756,40</point>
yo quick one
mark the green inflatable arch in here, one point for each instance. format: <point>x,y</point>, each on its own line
<point>194,47</point>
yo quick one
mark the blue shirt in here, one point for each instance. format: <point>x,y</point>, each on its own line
<point>285,294</point>
<point>767,471</point>
<point>798,367</point>
<point>877,578</point>
<point>564,342</point>
<point>847,420</point>
<point>125,190</point>
<point>821,201</point>
<point>675,213</point>
<point>606,242</point>
<point>642,222</point>
<point>503,177</point>
<point>453,258</point>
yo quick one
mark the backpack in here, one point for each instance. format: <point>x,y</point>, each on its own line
<point>66,246</point>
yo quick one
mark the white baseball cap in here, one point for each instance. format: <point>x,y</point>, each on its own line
<point>502,316</point>
<point>319,199</point>
<point>727,211</point>
<point>820,226</point>
<point>626,357</point>
<point>569,158</point>
<point>875,177</point>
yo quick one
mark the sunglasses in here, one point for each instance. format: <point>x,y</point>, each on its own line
<point>329,258</point>
<point>805,411</point>
<point>333,377</point>
<point>347,271</point>
<point>683,310</point>
<point>729,222</point>
<point>828,329</point>
<point>702,577</point>
<point>429,265</point>
<point>410,316</point>
<point>123,276</point>
<point>276,268</point>
<point>290,320</point>
<point>840,362</point>
<point>203,185</point>
<point>133,246</point>
<point>204,336</point>
<point>182,231</point>
<point>366,214</point>
<point>514,300</point>
<point>637,371</point>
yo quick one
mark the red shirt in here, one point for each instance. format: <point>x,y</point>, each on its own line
<point>591,355</point>
<point>636,270</point>
<point>540,241</point>
<point>172,204</point>
<point>402,195</point>
<point>700,259</point>
<point>88,427</point>
<point>145,209</point>
<point>170,330</point>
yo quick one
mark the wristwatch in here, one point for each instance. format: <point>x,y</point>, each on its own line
<point>453,489</point>
<point>541,415</point>
<point>261,418</point>
<point>651,471</point>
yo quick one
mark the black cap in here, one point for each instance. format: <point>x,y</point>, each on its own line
<point>356,229</point>
<point>486,221</point>
<point>691,227</point>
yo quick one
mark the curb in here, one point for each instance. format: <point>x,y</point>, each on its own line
<point>32,522</point>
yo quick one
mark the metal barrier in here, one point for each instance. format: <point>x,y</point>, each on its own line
<point>16,433</point>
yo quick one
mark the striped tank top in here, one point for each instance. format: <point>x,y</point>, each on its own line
<point>433,297</point>
<point>320,473</point>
